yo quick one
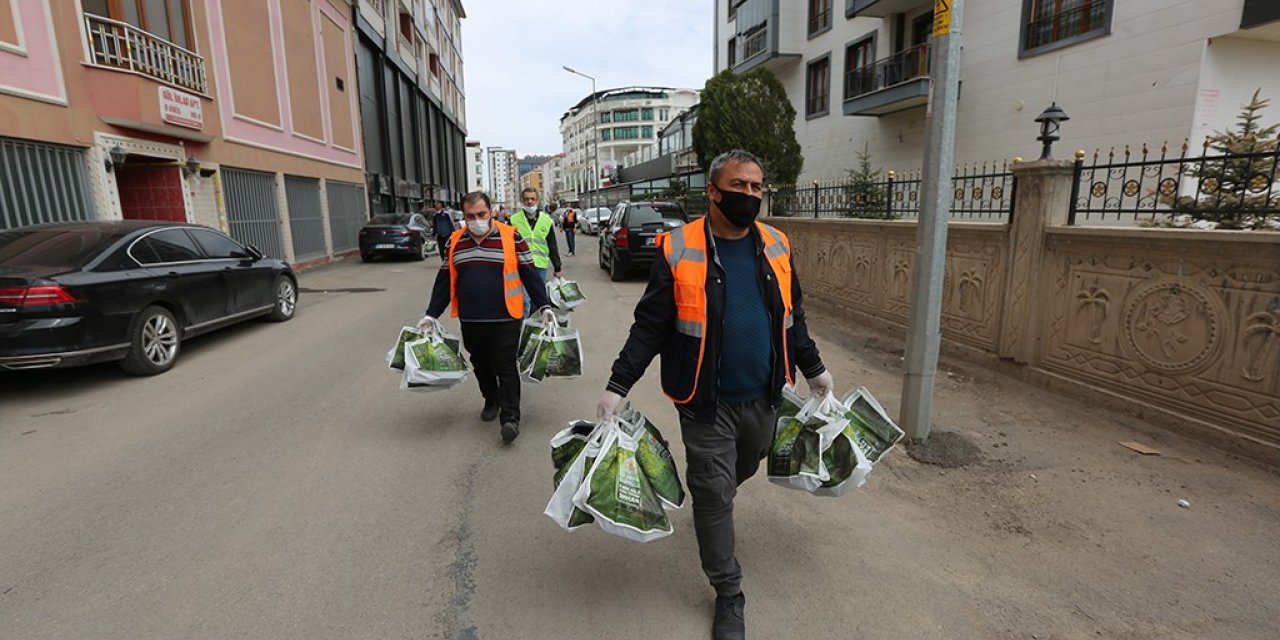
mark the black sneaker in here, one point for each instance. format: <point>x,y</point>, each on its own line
<point>730,623</point>
<point>490,412</point>
<point>509,431</point>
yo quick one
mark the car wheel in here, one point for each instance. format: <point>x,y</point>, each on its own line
<point>364,257</point>
<point>421,254</point>
<point>154,342</point>
<point>286,300</point>
<point>616,271</point>
<point>601,254</point>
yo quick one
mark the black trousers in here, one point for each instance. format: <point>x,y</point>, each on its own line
<point>721,456</point>
<point>492,346</point>
<point>442,243</point>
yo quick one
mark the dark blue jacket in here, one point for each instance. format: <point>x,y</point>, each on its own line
<point>442,223</point>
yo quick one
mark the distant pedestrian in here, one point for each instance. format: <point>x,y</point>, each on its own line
<point>536,227</point>
<point>570,226</point>
<point>442,226</point>
<point>723,308</point>
<point>481,278</point>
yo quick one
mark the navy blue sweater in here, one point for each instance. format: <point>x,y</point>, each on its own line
<point>745,367</point>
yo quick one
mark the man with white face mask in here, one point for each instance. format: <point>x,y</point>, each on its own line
<point>536,228</point>
<point>484,278</point>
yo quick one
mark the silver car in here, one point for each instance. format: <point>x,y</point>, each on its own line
<point>590,220</point>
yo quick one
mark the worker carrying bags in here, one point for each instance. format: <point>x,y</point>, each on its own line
<point>826,446</point>
<point>618,474</point>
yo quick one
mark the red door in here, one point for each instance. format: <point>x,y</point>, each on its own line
<point>151,193</point>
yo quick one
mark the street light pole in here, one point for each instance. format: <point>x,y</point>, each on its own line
<point>595,126</point>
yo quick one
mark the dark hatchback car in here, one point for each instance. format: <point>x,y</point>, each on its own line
<point>627,238</point>
<point>395,234</point>
<point>131,291</point>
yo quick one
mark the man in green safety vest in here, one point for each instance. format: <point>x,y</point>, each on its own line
<point>536,228</point>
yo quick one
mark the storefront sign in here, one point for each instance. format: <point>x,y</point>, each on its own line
<point>181,108</point>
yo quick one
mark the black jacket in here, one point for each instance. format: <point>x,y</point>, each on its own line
<point>653,333</point>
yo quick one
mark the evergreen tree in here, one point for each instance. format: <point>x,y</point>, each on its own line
<point>751,112</point>
<point>866,197</point>
<point>1236,187</point>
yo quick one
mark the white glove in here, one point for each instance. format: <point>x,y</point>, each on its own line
<point>607,406</point>
<point>823,384</point>
<point>548,316</point>
<point>426,322</point>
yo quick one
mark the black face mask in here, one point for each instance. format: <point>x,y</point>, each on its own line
<point>740,209</point>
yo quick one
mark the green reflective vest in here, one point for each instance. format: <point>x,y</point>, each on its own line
<point>535,237</point>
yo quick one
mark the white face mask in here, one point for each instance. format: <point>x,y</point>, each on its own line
<point>531,208</point>
<point>478,227</point>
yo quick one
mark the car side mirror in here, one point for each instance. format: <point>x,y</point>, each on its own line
<point>254,253</point>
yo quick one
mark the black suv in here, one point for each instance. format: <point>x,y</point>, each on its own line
<point>627,239</point>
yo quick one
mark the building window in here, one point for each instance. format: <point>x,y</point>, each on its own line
<point>646,114</point>
<point>859,66</point>
<point>406,26</point>
<point>606,134</point>
<point>733,7</point>
<point>626,133</point>
<point>733,52</point>
<point>646,132</point>
<point>817,85</point>
<point>604,117</point>
<point>166,19</point>
<point>434,63</point>
<point>1052,24</point>
<point>819,16</point>
<point>626,115</point>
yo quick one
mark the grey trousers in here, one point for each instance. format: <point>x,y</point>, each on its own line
<point>721,456</point>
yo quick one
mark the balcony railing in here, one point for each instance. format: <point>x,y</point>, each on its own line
<point>124,46</point>
<point>754,43</point>
<point>1068,23</point>
<point>904,66</point>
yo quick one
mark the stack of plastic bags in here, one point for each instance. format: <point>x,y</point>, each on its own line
<point>618,474</point>
<point>548,351</point>
<point>429,360</point>
<point>564,294</point>
<point>827,446</point>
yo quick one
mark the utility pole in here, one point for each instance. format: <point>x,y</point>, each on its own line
<point>595,126</point>
<point>924,335</point>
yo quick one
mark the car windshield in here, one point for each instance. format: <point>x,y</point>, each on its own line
<point>68,248</point>
<point>649,214</point>
<point>391,218</point>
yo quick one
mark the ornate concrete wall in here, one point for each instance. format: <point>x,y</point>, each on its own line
<point>1186,321</point>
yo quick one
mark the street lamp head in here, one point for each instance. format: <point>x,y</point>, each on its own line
<point>1050,121</point>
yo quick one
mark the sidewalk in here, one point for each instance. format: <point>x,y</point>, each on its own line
<point>1055,532</point>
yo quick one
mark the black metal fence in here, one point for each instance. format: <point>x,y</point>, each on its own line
<point>982,193</point>
<point>1235,189</point>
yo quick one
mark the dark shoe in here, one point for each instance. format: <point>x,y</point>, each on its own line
<point>730,623</point>
<point>490,412</point>
<point>509,431</point>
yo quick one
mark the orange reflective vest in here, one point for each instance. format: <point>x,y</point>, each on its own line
<point>685,250</point>
<point>512,289</point>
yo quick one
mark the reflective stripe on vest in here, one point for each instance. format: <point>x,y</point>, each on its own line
<point>512,289</point>
<point>685,250</point>
<point>535,237</point>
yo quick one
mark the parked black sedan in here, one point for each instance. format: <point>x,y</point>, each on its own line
<point>396,234</point>
<point>627,238</point>
<point>128,291</point>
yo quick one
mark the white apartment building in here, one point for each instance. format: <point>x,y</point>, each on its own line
<point>504,185</point>
<point>620,121</point>
<point>553,183</point>
<point>1127,73</point>
<point>475,166</point>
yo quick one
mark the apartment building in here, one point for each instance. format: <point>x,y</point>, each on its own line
<point>237,114</point>
<point>1127,73</point>
<point>475,166</point>
<point>413,101</point>
<point>504,181</point>
<point>614,123</point>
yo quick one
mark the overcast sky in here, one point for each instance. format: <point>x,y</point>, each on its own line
<point>513,52</point>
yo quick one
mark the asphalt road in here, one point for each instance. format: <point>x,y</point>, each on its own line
<point>277,485</point>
